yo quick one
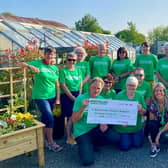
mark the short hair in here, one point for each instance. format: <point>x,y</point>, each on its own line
<point>80,48</point>
<point>132,79</point>
<point>122,49</point>
<point>138,69</point>
<point>100,45</point>
<point>109,77</point>
<point>145,44</point>
<point>49,49</point>
<point>71,54</point>
<point>97,79</point>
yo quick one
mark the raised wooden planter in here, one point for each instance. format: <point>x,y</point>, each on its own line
<point>23,141</point>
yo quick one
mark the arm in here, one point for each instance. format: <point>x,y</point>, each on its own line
<point>141,110</point>
<point>77,115</point>
<point>86,79</point>
<point>81,86</point>
<point>67,92</point>
<point>24,64</point>
<point>58,92</point>
<point>161,79</point>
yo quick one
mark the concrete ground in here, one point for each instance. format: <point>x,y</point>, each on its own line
<point>107,157</point>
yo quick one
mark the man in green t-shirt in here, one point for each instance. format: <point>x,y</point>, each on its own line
<point>100,64</point>
<point>148,62</point>
<point>143,87</point>
<point>162,68</point>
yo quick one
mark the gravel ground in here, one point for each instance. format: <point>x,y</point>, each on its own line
<point>107,157</point>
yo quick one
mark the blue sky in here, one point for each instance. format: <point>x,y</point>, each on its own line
<point>112,15</point>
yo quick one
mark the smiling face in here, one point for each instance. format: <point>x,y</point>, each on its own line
<point>108,84</point>
<point>159,93</point>
<point>71,60</point>
<point>80,54</point>
<point>95,89</point>
<point>139,74</point>
<point>102,50</point>
<point>50,57</point>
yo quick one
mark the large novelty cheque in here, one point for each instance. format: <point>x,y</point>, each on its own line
<point>105,111</point>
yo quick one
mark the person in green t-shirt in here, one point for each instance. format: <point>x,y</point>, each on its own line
<point>162,68</point>
<point>83,66</point>
<point>71,87</point>
<point>107,91</point>
<point>148,62</point>
<point>121,69</point>
<point>143,87</point>
<point>131,136</point>
<point>100,64</point>
<point>46,92</point>
<point>89,135</point>
<point>158,119</point>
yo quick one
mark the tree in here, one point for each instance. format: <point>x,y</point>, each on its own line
<point>131,34</point>
<point>90,24</point>
<point>159,33</point>
<point>7,13</point>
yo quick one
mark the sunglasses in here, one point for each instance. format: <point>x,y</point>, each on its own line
<point>71,59</point>
<point>107,82</point>
<point>139,75</point>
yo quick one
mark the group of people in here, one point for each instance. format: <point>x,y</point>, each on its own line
<point>102,78</point>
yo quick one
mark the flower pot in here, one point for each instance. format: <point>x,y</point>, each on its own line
<point>23,141</point>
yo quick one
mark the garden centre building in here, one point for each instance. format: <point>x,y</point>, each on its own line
<point>16,32</point>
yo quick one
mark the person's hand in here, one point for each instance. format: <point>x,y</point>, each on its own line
<point>85,103</point>
<point>139,107</point>
<point>103,127</point>
<point>57,101</point>
<point>73,98</point>
<point>116,79</point>
<point>36,70</point>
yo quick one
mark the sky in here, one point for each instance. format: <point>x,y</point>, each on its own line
<point>112,15</point>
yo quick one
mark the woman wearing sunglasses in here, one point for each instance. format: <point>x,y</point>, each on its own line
<point>107,91</point>
<point>71,87</point>
<point>121,69</point>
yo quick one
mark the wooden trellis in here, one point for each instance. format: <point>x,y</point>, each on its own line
<point>11,83</point>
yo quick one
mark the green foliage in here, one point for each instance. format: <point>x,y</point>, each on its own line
<point>131,34</point>
<point>90,24</point>
<point>159,33</point>
<point>8,13</point>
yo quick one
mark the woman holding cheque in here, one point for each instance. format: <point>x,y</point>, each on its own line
<point>131,136</point>
<point>89,135</point>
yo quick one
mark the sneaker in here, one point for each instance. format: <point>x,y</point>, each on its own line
<point>55,147</point>
<point>153,152</point>
<point>157,149</point>
<point>71,141</point>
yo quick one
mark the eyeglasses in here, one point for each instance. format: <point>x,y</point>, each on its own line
<point>131,85</point>
<point>139,75</point>
<point>71,59</point>
<point>108,82</point>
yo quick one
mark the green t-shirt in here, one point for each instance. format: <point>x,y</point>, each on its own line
<point>145,89</point>
<point>99,66</point>
<point>119,67</point>
<point>131,129</point>
<point>148,63</point>
<point>109,95</point>
<point>72,79</point>
<point>84,67</point>
<point>44,82</point>
<point>81,127</point>
<point>162,68</point>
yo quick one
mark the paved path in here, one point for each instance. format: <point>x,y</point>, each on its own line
<point>107,157</point>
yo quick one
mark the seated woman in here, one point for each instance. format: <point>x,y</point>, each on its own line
<point>158,118</point>
<point>89,135</point>
<point>131,136</point>
<point>107,91</point>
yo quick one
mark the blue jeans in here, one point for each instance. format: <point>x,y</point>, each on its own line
<point>128,140</point>
<point>46,106</point>
<point>87,143</point>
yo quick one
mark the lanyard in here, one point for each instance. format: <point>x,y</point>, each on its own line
<point>162,122</point>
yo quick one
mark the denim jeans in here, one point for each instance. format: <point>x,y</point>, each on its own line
<point>87,143</point>
<point>128,140</point>
<point>46,106</point>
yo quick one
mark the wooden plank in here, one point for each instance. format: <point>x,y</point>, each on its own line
<point>9,68</point>
<point>15,139</point>
<point>15,81</point>
<point>40,146</point>
<point>18,149</point>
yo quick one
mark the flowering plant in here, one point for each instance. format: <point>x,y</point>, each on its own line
<point>13,121</point>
